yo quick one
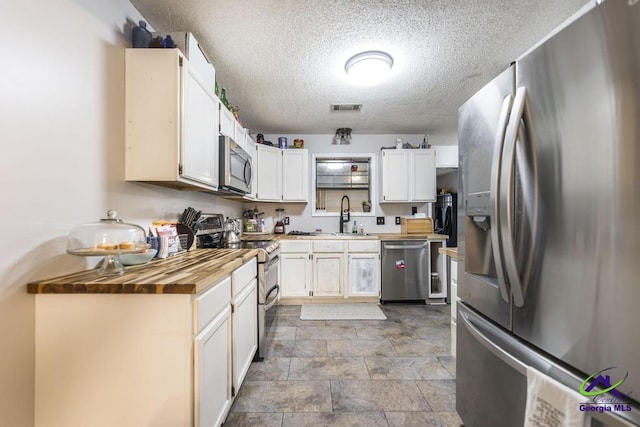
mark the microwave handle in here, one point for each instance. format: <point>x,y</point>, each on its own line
<point>247,172</point>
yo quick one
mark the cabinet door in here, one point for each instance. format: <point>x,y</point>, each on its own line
<point>422,181</point>
<point>251,149</point>
<point>446,156</point>
<point>395,186</point>
<point>227,122</point>
<point>244,324</point>
<point>364,275</point>
<point>240,135</point>
<point>295,175</point>
<point>199,148</point>
<point>212,376</point>
<point>269,174</point>
<point>294,274</point>
<point>327,274</point>
<point>152,114</point>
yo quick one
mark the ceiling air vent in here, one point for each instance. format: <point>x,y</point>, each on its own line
<point>346,107</point>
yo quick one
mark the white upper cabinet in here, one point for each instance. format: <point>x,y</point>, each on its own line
<point>251,149</point>
<point>295,175</point>
<point>269,173</point>
<point>200,148</point>
<point>280,175</point>
<point>422,176</point>
<point>227,122</point>
<point>446,156</point>
<point>240,134</point>
<point>408,175</point>
<point>171,126</point>
<point>395,178</point>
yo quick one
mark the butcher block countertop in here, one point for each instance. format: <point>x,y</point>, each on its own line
<point>187,273</point>
<point>451,252</point>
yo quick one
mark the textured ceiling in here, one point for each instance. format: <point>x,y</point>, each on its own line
<point>282,61</point>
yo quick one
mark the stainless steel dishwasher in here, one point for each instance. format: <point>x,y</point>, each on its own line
<point>405,270</point>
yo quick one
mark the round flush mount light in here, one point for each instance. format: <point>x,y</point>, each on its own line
<point>369,68</point>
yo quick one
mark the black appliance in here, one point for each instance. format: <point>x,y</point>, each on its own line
<point>445,217</point>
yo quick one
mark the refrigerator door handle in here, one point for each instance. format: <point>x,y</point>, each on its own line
<point>506,201</point>
<point>495,198</point>
<point>491,346</point>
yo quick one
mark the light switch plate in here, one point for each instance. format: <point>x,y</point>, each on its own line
<point>380,220</point>
<point>397,220</point>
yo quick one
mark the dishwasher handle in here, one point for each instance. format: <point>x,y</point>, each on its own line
<point>386,246</point>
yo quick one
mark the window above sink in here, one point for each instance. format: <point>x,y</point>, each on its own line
<point>343,174</point>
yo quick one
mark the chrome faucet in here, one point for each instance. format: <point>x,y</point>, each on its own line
<point>345,214</point>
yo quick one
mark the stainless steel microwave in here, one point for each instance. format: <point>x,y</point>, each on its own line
<point>235,167</point>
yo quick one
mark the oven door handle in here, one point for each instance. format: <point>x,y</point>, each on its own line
<point>274,260</point>
<point>275,288</point>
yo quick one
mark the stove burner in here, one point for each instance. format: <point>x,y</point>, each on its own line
<point>299,233</point>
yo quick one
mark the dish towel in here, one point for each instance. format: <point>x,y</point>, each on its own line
<point>551,404</point>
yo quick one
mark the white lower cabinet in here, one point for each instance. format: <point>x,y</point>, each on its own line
<point>134,360</point>
<point>364,275</point>
<point>328,273</point>
<point>212,361</point>
<point>244,320</point>
<point>330,268</point>
<point>364,268</point>
<point>295,268</point>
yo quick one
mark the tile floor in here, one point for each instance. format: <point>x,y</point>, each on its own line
<point>394,372</point>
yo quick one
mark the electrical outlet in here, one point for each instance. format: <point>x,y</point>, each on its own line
<point>380,220</point>
<point>397,220</point>
<point>414,210</point>
<point>286,220</point>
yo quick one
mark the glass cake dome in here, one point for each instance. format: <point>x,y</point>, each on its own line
<point>108,237</point>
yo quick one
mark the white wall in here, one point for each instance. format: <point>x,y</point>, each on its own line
<point>62,121</point>
<point>301,214</point>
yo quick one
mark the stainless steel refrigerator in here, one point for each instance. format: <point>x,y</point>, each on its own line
<point>549,222</point>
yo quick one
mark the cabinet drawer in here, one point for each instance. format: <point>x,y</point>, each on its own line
<point>454,271</point>
<point>328,246</point>
<point>242,276</point>
<point>363,246</point>
<point>212,302</point>
<point>295,246</point>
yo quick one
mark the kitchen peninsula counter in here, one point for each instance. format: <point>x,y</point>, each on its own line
<point>188,273</point>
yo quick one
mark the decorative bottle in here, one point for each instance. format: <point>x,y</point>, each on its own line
<point>168,42</point>
<point>354,229</point>
<point>223,97</point>
<point>424,142</point>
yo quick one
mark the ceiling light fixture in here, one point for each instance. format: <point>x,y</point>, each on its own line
<point>342,137</point>
<point>369,68</point>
